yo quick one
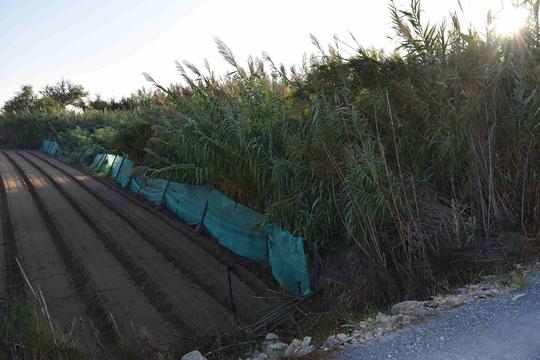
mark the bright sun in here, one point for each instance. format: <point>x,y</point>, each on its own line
<point>510,20</point>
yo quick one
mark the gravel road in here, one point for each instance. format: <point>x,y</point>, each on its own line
<point>495,329</point>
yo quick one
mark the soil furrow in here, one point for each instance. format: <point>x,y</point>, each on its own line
<point>3,255</point>
<point>212,288</point>
<point>105,191</point>
<point>81,280</point>
<point>182,252</point>
<point>250,272</point>
<point>184,294</point>
<point>91,263</point>
<point>14,281</point>
<point>37,253</point>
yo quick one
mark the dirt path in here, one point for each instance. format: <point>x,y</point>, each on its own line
<point>189,254</point>
<point>36,250</point>
<point>111,296</point>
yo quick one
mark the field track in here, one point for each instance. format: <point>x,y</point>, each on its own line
<point>94,252</point>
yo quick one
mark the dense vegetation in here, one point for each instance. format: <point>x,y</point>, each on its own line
<point>399,169</point>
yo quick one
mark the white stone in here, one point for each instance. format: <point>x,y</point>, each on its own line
<point>277,350</point>
<point>270,339</point>
<point>405,307</point>
<point>293,348</point>
<point>363,325</point>
<point>305,342</point>
<point>330,341</point>
<point>194,355</point>
<point>462,291</point>
<point>454,300</point>
<point>341,337</point>
<point>307,350</point>
<point>331,338</point>
<point>259,356</point>
<point>384,318</point>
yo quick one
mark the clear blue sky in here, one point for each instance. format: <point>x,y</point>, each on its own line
<point>41,41</point>
<point>105,45</point>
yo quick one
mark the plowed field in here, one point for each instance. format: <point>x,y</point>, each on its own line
<point>94,252</point>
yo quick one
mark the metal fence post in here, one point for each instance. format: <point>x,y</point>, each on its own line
<point>268,248</point>
<point>120,168</point>
<point>231,296</point>
<point>111,168</point>
<point>198,227</point>
<point>142,183</point>
<point>100,162</point>
<point>165,191</point>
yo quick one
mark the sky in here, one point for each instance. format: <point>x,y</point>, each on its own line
<point>106,45</point>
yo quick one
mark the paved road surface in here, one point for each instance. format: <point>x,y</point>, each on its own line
<point>490,329</point>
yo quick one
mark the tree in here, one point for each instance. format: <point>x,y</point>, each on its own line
<point>24,100</point>
<point>98,104</point>
<point>65,93</point>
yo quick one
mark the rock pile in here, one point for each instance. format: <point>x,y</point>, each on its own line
<point>273,348</point>
<point>194,355</point>
<point>411,311</point>
<point>401,314</point>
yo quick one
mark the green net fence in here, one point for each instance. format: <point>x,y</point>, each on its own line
<point>187,202</point>
<point>50,147</point>
<point>151,189</point>
<point>235,226</point>
<point>124,173</point>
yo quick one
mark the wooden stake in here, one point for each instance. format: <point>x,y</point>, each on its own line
<point>26,279</point>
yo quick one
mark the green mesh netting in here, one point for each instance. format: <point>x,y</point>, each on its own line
<point>106,163</point>
<point>187,202</point>
<point>98,159</point>
<point>54,149</point>
<point>115,168</point>
<point>45,145</point>
<point>287,260</point>
<point>50,147</point>
<point>135,183</point>
<point>124,172</point>
<point>150,189</point>
<point>153,190</point>
<point>235,226</point>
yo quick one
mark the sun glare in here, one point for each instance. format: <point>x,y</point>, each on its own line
<point>510,20</point>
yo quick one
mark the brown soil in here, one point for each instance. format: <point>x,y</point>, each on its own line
<point>92,250</point>
<point>183,246</point>
<point>39,257</point>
